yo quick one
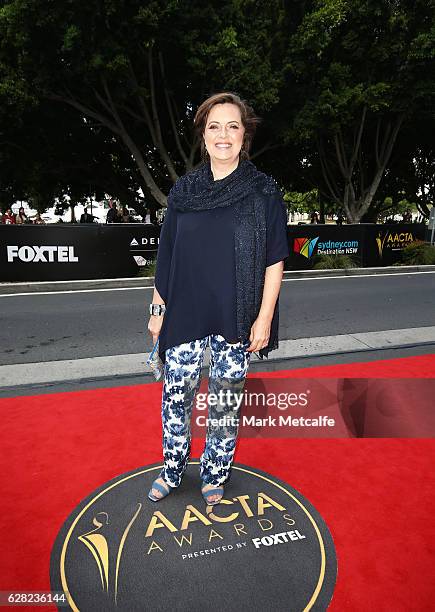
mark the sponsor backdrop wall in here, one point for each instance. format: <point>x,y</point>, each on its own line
<point>67,252</point>
<point>73,252</point>
<point>369,244</point>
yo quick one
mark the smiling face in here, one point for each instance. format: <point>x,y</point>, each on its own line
<point>224,132</point>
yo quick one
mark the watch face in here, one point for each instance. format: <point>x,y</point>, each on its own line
<point>157,309</point>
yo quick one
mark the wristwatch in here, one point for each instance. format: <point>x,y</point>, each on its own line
<point>157,309</point>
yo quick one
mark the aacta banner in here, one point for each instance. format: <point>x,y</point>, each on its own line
<point>66,252</point>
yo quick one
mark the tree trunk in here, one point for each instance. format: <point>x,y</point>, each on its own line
<point>348,190</point>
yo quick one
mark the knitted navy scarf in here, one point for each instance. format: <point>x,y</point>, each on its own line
<point>197,190</point>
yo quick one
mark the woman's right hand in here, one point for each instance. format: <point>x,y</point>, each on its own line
<point>155,325</point>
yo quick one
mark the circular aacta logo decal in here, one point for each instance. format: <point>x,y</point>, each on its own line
<point>264,547</point>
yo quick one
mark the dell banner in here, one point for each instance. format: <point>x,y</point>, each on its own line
<point>74,252</point>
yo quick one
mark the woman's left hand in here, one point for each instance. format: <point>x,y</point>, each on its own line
<point>260,333</point>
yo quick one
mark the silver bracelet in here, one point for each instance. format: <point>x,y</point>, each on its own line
<point>157,309</point>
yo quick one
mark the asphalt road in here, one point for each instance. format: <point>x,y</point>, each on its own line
<point>40,328</point>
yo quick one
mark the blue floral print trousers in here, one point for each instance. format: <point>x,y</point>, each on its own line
<point>182,378</point>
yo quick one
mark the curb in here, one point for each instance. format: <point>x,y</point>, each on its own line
<point>148,281</point>
<point>142,376</point>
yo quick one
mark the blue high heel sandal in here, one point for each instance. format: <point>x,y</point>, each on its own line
<point>164,490</point>
<point>219,490</point>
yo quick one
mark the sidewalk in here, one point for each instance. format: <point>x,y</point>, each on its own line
<point>115,370</point>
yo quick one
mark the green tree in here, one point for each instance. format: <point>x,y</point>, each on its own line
<point>306,202</point>
<point>48,152</point>
<point>359,71</point>
<point>138,71</point>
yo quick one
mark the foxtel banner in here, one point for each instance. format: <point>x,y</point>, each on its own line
<point>74,252</point>
<point>317,408</point>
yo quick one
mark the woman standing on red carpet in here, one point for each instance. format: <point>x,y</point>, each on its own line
<point>217,282</point>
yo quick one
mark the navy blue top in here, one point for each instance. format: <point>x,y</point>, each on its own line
<point>196,270</point>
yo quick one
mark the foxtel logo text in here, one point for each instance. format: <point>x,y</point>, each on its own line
<point>42,254</point>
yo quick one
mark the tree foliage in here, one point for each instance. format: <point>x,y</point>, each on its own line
<point>101,95</point>
<point>138,71</point>
<point>360,72</point>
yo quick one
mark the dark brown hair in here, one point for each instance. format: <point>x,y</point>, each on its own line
<point>249,120</point>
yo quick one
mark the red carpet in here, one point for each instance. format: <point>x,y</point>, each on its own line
<point>376,495</point>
